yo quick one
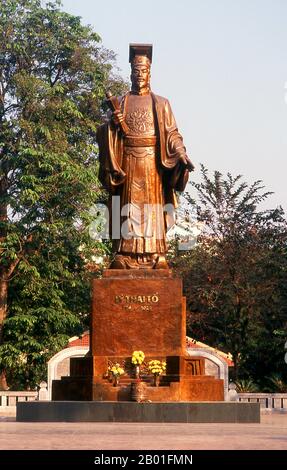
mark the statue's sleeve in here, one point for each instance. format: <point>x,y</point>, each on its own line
<point>175,152</point>
<point>174,142</point>
<point>110,157</point>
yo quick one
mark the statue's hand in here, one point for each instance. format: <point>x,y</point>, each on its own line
<point>117,177</point>
<point>187,163</point>
<point>117,117</point>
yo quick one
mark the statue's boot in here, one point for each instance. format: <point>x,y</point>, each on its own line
<point>118,263</point>
<point>161,262</point>
<point>154,261</point>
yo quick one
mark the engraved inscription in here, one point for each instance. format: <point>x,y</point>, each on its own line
<point>136,299</point>
<point>137,302</point>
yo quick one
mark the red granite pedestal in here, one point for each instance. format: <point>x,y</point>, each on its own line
<point>138,310</point>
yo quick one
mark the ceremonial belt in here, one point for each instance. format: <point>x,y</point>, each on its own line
<point>133,141</point>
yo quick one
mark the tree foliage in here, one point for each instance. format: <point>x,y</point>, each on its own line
<point>53,77</point>
<point>235,277</point>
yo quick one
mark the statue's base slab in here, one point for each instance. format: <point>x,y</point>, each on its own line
<point>132,412</point>
<point>184,388</point>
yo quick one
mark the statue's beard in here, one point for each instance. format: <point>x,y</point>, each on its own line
<point>141,89</point>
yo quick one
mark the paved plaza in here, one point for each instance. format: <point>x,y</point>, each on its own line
<point>271,433</point>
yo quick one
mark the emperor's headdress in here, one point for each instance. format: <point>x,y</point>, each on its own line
<point>140,54</point>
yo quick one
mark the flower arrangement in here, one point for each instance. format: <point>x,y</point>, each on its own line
<point>156,368</point>
<point>138,357</point>
<point>137,360</point>
<point>115,371</point>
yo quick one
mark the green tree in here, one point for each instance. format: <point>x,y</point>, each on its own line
<point>235,277</point>
<point>53,77</point>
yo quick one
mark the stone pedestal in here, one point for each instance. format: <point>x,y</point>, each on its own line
<point>144,312</point>
<point>138,310</point>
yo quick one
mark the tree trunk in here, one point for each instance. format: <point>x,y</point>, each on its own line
<point>3,314</point>
<point>3,273</point>
<point>3,304</point>
<point>3,234</point>
<point>3,381</point>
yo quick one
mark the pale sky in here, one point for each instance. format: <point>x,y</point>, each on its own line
<point>223,66</point>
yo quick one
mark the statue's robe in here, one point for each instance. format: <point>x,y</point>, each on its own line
<point>144,168</point>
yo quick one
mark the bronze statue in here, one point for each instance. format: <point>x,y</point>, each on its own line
<point>143,160</point>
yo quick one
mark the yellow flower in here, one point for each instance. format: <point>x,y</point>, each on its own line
<point>156,367</point>
<point>138,357</point>
<point>116,369</point>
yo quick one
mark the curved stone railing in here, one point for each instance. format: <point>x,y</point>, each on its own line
<point>9,399</point>
<point>269,401</point>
